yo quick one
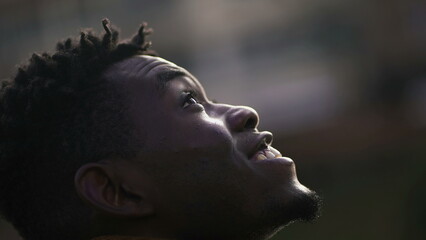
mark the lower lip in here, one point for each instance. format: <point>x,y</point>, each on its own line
<point>281,160</point>
<point>279,169</point>
<point>286,160</point>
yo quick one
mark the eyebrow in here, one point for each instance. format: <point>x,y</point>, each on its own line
<point>164,77</point>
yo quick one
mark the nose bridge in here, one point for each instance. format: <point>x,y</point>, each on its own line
<point>240,118</point>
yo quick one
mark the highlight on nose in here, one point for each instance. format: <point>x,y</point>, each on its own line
<point>243,118</point>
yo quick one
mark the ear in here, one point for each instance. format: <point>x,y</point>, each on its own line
<point>99,185</point>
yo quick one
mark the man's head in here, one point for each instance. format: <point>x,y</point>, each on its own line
<point>136,138</point>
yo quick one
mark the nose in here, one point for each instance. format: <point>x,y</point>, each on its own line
<point>241,118</point>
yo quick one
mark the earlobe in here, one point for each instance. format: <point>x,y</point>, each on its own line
<point>99,185</point>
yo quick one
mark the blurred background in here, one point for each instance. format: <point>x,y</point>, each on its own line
<point>340,83</point>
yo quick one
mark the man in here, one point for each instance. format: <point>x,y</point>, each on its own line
<point>105,140</point>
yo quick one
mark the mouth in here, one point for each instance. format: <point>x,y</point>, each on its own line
<point>264,152</point>
<point>268,155</point>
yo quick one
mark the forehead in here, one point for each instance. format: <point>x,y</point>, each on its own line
<point>147,69</point>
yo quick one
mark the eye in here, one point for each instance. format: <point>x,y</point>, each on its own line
<point>189,100</point>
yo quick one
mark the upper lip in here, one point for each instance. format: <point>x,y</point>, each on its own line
<point>259,142</point>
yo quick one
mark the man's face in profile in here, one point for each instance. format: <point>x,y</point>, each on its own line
<point>204,166</point>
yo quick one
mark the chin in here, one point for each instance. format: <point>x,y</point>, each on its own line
<point>300,204</point>
<point>304,206</point>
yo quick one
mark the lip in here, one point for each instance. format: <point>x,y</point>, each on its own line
<point>260,142</point>
<point>281,160</point>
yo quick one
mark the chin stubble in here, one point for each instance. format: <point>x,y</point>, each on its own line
<point>304,206</point>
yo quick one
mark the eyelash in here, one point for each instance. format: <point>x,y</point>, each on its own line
<point>187,100</point>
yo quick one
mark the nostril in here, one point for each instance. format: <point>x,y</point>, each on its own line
<point>241,118</point>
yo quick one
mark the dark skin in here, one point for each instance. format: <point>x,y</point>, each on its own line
<point>204,171</point>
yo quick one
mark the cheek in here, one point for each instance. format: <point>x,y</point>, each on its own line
<point>204,136</point>
<point>211,135</point>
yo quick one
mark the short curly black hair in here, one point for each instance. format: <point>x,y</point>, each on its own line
<point>57,113</point>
